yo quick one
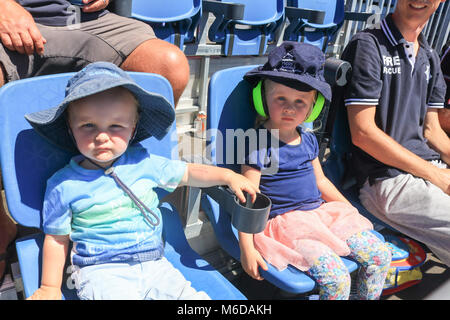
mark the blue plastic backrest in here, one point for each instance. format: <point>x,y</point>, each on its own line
<point>334,10</point>
<point>165,10</point>
<point>27,160</point>
<point>260,11</point>
<point>228,108</point>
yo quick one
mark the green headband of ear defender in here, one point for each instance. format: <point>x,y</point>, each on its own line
<point>261,106</point>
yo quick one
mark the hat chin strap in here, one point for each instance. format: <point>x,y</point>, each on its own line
<point>142,207</point>
<point>110,172</point>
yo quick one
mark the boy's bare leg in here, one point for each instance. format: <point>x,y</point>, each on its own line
<point>8,228</point>
<point>162,57</point>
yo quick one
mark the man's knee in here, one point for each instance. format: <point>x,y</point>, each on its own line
<point>159,56</point>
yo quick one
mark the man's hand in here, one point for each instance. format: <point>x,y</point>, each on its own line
<point>94,5</point>
<point>18,31</point>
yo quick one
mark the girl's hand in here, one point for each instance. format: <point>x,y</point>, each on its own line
<point>238,183</point>
<point>251,259</point>
<point>46,293</point>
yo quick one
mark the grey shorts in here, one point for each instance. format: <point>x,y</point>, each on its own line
<point>109,38</point>
<point>413,206</point>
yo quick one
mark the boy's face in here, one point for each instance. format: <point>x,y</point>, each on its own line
<point>416,11</point>
<point>103,124</point>
<point>287,107</point>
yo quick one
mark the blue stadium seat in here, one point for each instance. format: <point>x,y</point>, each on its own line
<point>249,35</point>
<point>172,20</point>
<point>336,166</point>
<point>229,108</point>
<point>318,34</point>
<point>27,161</point>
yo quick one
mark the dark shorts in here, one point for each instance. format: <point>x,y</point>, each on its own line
<point>109,38</point>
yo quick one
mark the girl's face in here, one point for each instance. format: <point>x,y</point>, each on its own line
<point>103,124</point>
<point>287,107</point>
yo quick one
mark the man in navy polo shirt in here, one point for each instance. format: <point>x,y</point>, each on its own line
<point>400,152</point>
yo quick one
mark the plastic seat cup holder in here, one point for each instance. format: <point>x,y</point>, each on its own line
<point>247,217</point>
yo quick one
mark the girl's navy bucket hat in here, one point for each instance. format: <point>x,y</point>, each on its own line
<point>294,64</point>
<point>155,118</point>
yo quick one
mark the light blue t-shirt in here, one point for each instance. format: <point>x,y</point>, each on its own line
<point>101,219</point>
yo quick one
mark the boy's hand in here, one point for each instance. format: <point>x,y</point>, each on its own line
<point>251,259</point>
<point>46,293</point>
<point>238,183</point>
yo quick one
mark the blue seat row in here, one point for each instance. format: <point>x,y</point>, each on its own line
<point>243,27</point>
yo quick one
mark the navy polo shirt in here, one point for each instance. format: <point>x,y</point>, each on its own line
<point>57,12</point>
<point>401,86</point>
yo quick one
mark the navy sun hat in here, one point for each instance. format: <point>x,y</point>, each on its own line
<point>156,114</point>
<point>294,64</point>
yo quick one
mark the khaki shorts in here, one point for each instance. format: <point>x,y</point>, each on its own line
<point>69,48</point>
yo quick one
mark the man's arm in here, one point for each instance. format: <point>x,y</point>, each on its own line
<point>436,136</point>
<point>367,136</point>
<point>18,31</point>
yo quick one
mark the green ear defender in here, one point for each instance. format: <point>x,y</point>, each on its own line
<point>259,99</point>
<point>261,107</point>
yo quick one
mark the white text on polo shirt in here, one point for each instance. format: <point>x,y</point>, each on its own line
<point>391,65</point>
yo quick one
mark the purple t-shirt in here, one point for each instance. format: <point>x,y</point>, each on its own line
<point>57,12</point>
<point>287,174</point>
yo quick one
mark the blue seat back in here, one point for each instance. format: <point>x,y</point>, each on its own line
<point>229,109</point>
<point>27,159</point>
<point>313,33</point>
<point>336,167</point>
<point>172,20</point>
<point>261,20</point>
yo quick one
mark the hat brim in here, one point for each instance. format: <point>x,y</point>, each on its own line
<point>289,79</point>
<point>155,119</point>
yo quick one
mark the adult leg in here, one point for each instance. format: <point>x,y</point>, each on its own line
<point>2,75</point>
<point>444,119</point>
<point>414,207</point>
<point>375,259</point>
<point>159,56</point>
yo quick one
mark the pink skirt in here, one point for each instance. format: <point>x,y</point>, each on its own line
<point>300,237</point>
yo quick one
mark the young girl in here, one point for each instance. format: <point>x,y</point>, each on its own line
<point>104,199</point>
<point>311,223</point>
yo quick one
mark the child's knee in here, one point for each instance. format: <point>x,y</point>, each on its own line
<point>332,277</point>
<point>368,250</point>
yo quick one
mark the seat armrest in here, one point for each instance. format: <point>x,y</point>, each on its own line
<point>313,16</point>
<point>358,16</point>
<point>230,11</point>
<point>337,72</point>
